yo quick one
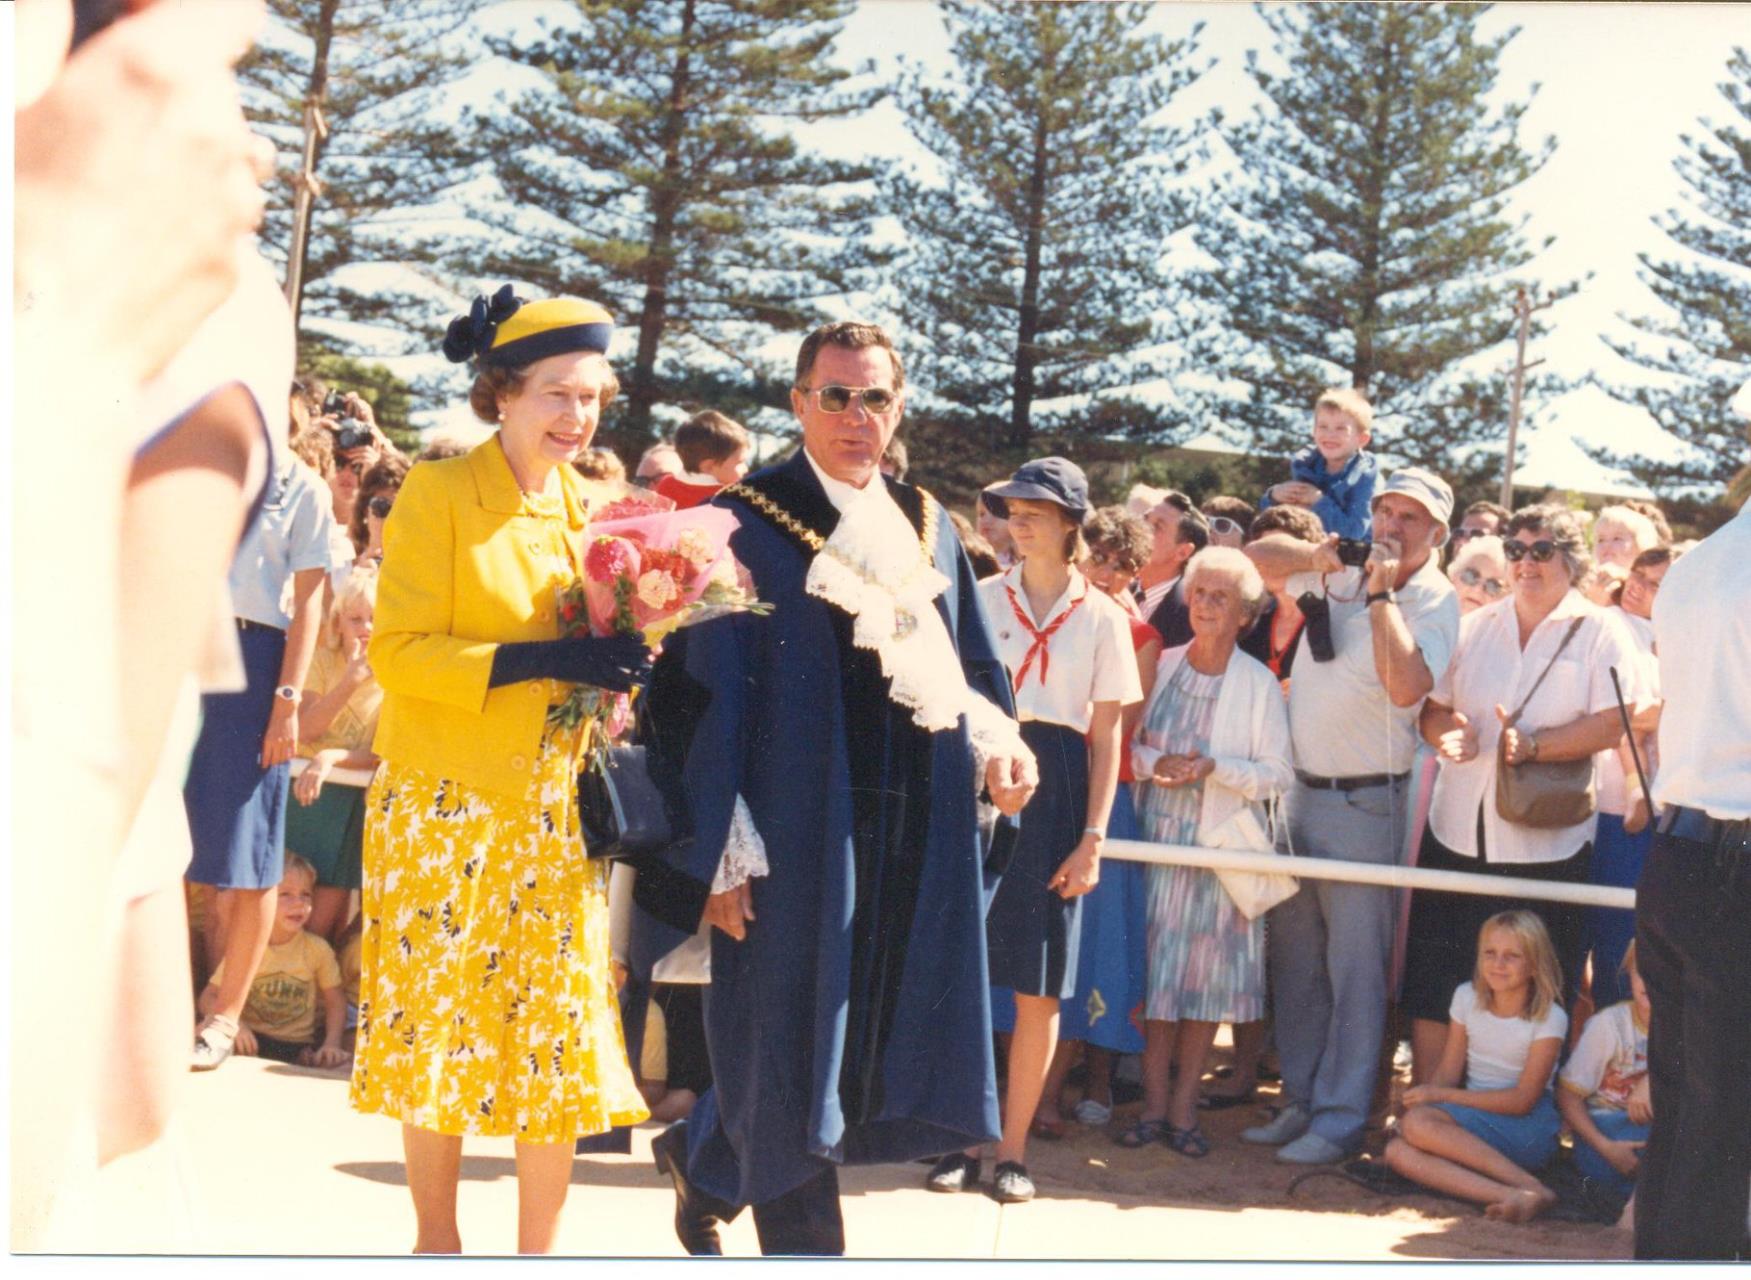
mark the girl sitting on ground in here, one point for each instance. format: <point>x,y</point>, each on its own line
<point>1482,1141</point>
<point>1603,1093</point>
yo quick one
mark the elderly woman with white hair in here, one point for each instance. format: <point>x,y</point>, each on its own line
<point>1214,741</point>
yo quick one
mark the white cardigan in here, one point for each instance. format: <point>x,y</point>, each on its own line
<point>1249,739</point>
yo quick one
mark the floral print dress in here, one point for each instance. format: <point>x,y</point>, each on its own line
<point>486,1004</point>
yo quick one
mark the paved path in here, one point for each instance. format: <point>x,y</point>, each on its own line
<point>268,1159</point>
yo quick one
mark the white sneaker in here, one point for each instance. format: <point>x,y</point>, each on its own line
<point>213,1043</point>
<point>1288,1124</point>
<point>1310,1148</point>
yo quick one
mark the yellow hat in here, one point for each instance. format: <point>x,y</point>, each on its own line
<point>507,332</point>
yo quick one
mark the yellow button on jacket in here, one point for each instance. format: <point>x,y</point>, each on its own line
<point>467,566</point>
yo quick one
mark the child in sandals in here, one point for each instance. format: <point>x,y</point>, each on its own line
<point>1481,1142</point>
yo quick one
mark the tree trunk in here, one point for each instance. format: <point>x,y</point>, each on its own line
<point>1374,177</point>
<point>665,210</point>
<point>1021,399</point>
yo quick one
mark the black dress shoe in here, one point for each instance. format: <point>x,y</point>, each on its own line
<point>1010,1183</point>
<point>696,1213</point>
<point>954,1172</point>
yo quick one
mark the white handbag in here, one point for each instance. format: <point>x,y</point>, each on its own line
<point>1253,892</point>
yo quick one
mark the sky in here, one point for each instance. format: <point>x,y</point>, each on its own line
<point>1618,85</point>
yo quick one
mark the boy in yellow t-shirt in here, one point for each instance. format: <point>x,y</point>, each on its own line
<point>297,987</point>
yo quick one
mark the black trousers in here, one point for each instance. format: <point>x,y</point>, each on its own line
<point>1693,947</point>
<point>803,1222</point>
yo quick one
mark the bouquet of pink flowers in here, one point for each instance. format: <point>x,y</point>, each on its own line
<point>648,574</point>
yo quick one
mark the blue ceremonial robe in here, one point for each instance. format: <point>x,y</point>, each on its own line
<point>853,1024</point>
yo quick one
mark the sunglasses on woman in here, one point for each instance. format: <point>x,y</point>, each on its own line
<point>1493,587</point>
<point>1540,551</point>
<point>379,506</point>
<point>1108,560</point>
<point>1228,528</point>
<point>837,399</point>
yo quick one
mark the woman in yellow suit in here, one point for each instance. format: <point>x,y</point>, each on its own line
<point>485,1003</point>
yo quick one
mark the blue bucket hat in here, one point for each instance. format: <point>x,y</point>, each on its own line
<point>1056,480</point>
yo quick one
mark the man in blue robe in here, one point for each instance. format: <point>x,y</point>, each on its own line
<point>831,756</point>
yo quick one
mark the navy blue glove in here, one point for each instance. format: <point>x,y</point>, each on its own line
<point>616,663</point>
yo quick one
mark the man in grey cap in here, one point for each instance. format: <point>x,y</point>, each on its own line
<point>1376,639</point>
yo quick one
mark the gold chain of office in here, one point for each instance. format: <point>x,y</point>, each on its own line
<point>816,543</point>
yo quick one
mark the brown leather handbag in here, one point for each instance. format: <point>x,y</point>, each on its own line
<point>1545,794</point>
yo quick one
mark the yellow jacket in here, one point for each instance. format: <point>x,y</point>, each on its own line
<point>468,564</point>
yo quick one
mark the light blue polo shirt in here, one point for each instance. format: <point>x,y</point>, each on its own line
<point>290,533</point>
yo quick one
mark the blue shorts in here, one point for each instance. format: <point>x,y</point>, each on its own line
<point>1528,1140</point>
<point>1617,1126</point>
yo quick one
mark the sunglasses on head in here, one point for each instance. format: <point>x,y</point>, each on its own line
<point>1490,586</point>
<point>837,399</point>
<point>1540,551</point>
<point>379,506</point>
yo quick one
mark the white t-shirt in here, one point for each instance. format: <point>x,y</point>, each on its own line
<point>1702,626</point>
<point>1341,721</point>
<point>1610,1060</point>
<point>1090,656</point>
<point>1496,1048</point>
<point>1489,670</point>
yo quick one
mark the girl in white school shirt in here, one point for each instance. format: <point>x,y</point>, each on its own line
<point>1068,649</point>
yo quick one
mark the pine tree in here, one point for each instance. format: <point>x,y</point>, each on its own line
<point>1033,268</point>
<point>1366,238</point>
<point>1701,345</point>
<point>378,73</point>
<point>653,172</point>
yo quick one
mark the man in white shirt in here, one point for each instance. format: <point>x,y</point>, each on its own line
<point>1693,911</point>
<point>1394,623</point>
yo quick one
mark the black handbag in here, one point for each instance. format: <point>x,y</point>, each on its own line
<point>620,809</point>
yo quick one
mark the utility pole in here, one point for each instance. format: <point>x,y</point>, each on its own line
<point>308,187</point>
<point>1523,309</point>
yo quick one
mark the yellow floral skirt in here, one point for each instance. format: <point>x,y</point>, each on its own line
<point>486,1004</point>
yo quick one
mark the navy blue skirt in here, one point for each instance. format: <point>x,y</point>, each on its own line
<point>237,809</point>
<point>1033,936</point>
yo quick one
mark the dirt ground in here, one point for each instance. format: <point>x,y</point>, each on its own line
<point>267,1159</point>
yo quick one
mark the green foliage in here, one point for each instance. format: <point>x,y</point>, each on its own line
<point>1366,238</point>
<point>654,170</point>
<point>1699,347</point>
<point>379,71</point>
<point>391,398</point>
<point>1033,263</point>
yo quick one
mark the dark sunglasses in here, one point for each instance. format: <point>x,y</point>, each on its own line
<point>1491,586</point>
<point>1541,551</point>
<point>837,399</point>
<point>379,505</point>
<point>1107,560</point>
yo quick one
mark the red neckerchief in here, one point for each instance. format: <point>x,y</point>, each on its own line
<point>1042,645</point>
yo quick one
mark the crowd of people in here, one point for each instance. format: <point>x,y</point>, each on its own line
<point>890,787</point>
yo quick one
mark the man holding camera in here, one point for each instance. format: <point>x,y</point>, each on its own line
<point>1382,624</point>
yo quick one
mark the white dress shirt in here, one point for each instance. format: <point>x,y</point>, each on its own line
<point>1342,722</point>
<point>1490,669</point>
<point>1702,631</point>
<point>1092,659</point>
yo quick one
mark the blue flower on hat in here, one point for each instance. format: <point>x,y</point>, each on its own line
<point>472,335</point>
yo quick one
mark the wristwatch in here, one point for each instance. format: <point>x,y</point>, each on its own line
<point>1372,596</point>
<point>286,693</point>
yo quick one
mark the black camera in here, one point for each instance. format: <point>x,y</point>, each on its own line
<point>1316,626</point>
<point>1354,551</point>
<point>352,434</point>
<point>334,405</point>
